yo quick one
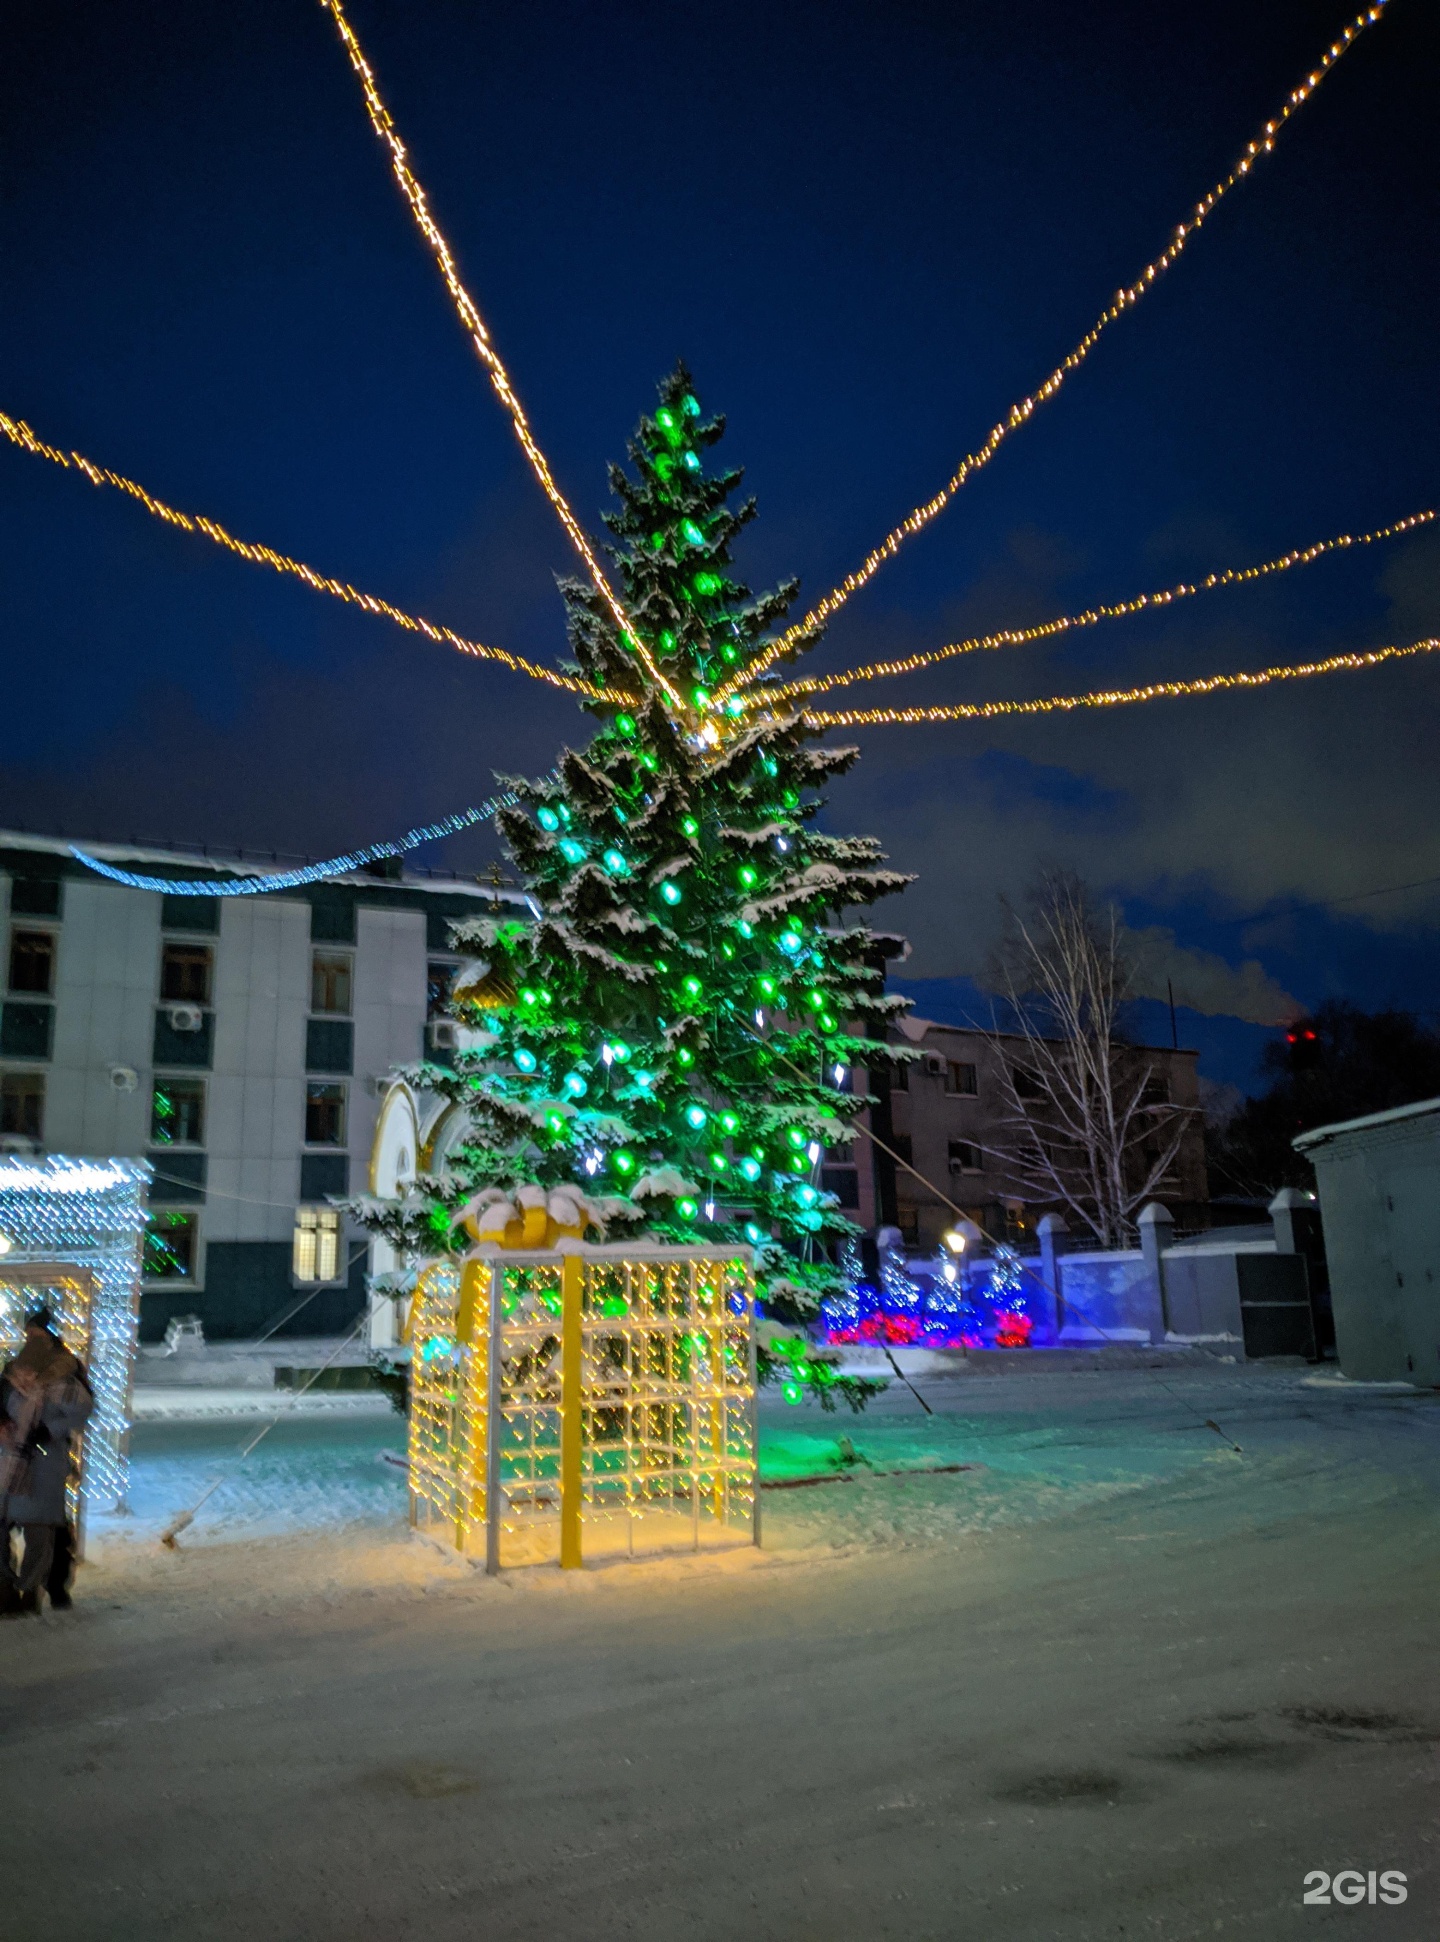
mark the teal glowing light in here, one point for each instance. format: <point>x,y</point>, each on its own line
<point>547,819</point>
<point>734,706</point>
<point>576,1084</point>
<point>644,1079</point>
<point>745,930</point>
<point>806,1196</point>
<point>791,942</point>
<point>692,532</point>
<point>755,1235</point>
<point>691,462</point>
<point>526,1061</point>
<point>614,861</point>
<point>671,892</point>
<point>690,405</point>
<point>696,1116</point>
<point>750,1168</point>
<point>572,851</point>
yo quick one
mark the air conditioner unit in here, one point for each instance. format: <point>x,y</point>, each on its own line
<point>444,1034</point>
<point>935,1065</point>
<point>186,1018</point>
<point>123,1078</point>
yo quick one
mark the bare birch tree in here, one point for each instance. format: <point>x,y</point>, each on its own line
<point>1088,1121</point>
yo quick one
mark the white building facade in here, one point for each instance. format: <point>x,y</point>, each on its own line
<point>241,1045</point>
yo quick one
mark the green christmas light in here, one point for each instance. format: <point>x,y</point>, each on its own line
<point>529,996</point>
<point>623,1162</point>
<point>693,988</point>
<point>625,724</point>
<point>556,1122</point>
<point>619,1051</point>
<point>827,1023</point>
<point>767,986</point>
<point>797,1136</point>
<point>731,1122</point>
<point>685,1055</point>
<point>747,877</point>
<point>718,1163</point>
<point>665,419</point>
<point>690,826</point>
<point>700,697</point>
<point>708,582</point>
<point>686,1209</point>
<point>671,892</point>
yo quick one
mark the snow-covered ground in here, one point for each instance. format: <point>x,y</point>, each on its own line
<point>1116,1678</point>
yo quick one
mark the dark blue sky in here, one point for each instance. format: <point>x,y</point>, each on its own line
<point>867,228</point>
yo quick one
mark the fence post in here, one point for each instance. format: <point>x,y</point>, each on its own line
<point>571,1353</point>
<point>1051,1231</point>
<point>1157,1232</point>
<point>494,1419</point>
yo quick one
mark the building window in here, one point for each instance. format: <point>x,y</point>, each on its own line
<point>901,1144</point>
<point>965,1158</point>
<point>324,1115</point>
<point>32,961</point>
<point>1027,1084</point>
<point>908,1221</point>
<point>22,1105</point>
<point>35,897</point>
<point>185,974</point>
<point>439,982</point>
<point>330,983</point>
<point>315,1255</point>
<point>177,1113</point>
<point>960,1078</point>
<point>170,1240</point>
<point>900,1078</point>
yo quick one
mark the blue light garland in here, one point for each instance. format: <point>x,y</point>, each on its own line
<point>290,879</point>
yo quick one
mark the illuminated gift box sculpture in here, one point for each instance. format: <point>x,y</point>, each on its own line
<point>70,1239</point>
<point>580,1401</point>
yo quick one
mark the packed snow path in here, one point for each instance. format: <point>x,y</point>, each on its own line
<point>1118,1682</point>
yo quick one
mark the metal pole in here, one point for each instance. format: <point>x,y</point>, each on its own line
<point>494,1420</point>
<point>754,1414</point>
<point>571,1402</point>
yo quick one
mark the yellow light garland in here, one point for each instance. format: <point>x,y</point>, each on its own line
<point>1018,414</point>
<point>383,124</point>
<point>974,711</point>
<point>1043,630</point>
<point>20,434</point>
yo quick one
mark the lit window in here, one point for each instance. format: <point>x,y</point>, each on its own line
<point>960,1078</point>
<point>22,1104</point>
<point>170,1246</point>
<point>32,961</point>
<point>330,983</point>
<point>185,974</point>
<point>324,1115</point>
<point>177,1113</point>
<point>315,1255</point>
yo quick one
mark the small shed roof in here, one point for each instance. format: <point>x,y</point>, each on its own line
<point>1319,1135</point>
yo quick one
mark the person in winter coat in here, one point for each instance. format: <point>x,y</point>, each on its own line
<point>45,1401</point>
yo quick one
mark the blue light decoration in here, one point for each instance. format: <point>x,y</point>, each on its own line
<point>338,866</point>
<point>946,1305</point>
<point>86,1215</point>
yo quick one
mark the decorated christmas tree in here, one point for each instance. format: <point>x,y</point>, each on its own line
<point>664,1049</point>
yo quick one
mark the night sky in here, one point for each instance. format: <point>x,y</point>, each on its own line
<point>867,229</point>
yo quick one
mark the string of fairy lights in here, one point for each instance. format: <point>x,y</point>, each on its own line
<point>1114,610</point>
<point>1207,684</point>
<point>383,123</point>
<point>21,436</point>
<point>1020,413</point>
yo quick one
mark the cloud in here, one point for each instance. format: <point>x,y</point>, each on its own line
<point>1205,982</point>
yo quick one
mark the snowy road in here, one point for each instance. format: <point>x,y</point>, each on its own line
<point>1115,1681</point>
